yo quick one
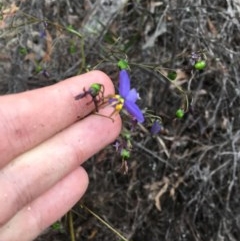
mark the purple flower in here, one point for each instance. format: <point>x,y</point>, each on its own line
<point>129,96</point>
<point>117,145</point>
<point>194,58</point>
<point>156,127</point>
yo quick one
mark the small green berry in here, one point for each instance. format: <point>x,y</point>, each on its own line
<point>72,49</point>
<point>200,65</point>
<point>126,135</point>
<point>38,68</point>
<point>125,154</point>
<point>179,113</point>
<point>22,50</point>
<point>95,89</point>
<point>172,75</point>
<point>123,64</point>
<point>56,226</point>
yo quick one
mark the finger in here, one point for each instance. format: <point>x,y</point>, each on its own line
<point>31,117</point>
<point>45,210</point>
<point>52,160</point>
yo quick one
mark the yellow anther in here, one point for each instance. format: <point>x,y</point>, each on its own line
<point>119,105</point>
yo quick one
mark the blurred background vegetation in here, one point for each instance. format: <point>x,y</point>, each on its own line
<point>182,184</point>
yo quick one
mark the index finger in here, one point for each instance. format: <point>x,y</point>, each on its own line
<point>29,118</point>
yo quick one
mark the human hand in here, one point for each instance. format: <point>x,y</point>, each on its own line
<point>42,146</point>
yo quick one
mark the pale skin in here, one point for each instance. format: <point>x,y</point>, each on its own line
<point>45,137</point>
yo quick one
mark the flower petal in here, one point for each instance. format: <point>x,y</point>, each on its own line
<point>156,128</point>
<point>134,110</point>
<point>132,96</point>
<point>124,83</point>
